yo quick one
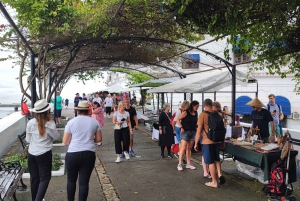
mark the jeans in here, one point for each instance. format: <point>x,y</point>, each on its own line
<point>40,174</point>
<point>82,164</point>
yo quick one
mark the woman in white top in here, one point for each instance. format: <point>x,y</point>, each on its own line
<point>40,133</point>
<point>121,117</point>
<point>80,134</point>
<point>108,105</point>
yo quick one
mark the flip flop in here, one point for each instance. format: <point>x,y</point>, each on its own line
<point>222,180</point>
<point>209,184</point>
<point>207,176</point>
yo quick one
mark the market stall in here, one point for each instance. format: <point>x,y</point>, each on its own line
<point>256,156</point>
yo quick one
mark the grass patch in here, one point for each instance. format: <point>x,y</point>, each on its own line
<point>60,126</point>
<point>56,161</point>
<point>63,117</point>
<point>58,141</point>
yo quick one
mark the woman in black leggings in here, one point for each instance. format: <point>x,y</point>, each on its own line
<point>166,136</point>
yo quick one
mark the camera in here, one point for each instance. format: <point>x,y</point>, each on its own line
<point>123,119</point>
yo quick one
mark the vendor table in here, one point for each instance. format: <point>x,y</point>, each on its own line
<point>264,161</point>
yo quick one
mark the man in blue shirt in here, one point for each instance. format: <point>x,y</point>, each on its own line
<point>76,101</point>
<point>261,118</point>
<point>84,97</point>
<point>276,112</point>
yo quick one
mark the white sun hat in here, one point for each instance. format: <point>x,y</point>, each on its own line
<point>41,106</point>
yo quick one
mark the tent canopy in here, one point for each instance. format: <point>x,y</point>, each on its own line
<point>200,83</point>
<point>156,82</point>
<point>114,89</point>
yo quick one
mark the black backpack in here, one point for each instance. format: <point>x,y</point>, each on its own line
<point>217,131</point>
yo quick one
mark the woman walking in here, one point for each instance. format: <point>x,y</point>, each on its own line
<point>40,133</point>
<point>80,134</point>
<point>166,137</point>
<point>98,114</point>
<point>122,131</point>
<point>187,122</point>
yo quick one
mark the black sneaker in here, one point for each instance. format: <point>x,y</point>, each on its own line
<point>183,162</point>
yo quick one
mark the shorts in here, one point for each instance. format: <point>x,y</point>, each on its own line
<point>211,153</point>
<point>57,113</point>
<point>188,136</point>
<point>177,132</point>
<point>277,130</point>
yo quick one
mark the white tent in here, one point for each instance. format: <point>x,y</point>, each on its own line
<point>114,89</point>
<point>201,83</point>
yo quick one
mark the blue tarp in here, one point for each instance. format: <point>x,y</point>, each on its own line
<point>241,107</point>
<point>285,104</point>
<point>193,57</point>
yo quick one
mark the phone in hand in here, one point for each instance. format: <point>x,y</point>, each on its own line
<point>123,119</point>
<point>274,111</point>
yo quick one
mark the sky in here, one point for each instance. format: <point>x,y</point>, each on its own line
<point>10,88</point>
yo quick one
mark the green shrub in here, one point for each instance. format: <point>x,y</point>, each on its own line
<point>56,161</point>
<point>59,140</point>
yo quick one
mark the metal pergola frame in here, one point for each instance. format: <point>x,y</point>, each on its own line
<point>123,57</point>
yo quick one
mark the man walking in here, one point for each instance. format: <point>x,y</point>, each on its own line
<point>261,118</point>
<point>76,101</point>
<point>133,120</point>
<point>276,112</point>
<point>108,105</point>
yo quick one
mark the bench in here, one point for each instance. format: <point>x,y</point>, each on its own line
<point>22,140</point>
<point>10,175</point>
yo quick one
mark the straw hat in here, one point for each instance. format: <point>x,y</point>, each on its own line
<point>255,103</point>
<point>82,105</point>
<point>41,106</point>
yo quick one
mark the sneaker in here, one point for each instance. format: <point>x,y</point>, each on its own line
<point>127,155</point>
<point>98,144</point>
<point>122,155</point>
<point>170,156</point>
<point>179,167</point>
<point>176,155</point>
<point>118,160</point>
<point>183,162</point>
<point>131,152</point>
<point>190,167</point>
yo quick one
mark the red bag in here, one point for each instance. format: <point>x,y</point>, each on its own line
<point>173,116</point>
<point>175,148</point>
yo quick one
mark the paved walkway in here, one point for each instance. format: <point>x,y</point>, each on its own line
<point>148,177</point>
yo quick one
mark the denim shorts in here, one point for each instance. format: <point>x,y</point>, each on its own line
<point>211,153</point>
<point>188,136</point>
<point>177,132</point>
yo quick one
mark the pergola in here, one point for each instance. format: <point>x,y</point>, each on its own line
<point>142,44</point>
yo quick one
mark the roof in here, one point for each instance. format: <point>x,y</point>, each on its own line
<point>204,82</point>
<point>156,82</point>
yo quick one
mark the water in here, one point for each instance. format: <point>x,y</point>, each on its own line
<point>5,111</point>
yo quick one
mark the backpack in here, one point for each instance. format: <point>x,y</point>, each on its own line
<point>217,131</point>
<point>276,184</point>
<point>173,116</point>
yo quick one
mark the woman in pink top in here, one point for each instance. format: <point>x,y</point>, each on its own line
<point>98,114</point>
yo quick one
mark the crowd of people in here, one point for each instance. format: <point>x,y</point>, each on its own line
<point>83,132</point>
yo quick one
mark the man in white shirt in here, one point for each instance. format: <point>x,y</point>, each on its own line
<point>108,105</point>
<point>97,98</point>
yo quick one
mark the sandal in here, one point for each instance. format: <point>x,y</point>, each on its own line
<point>207,176</point>
<point>221,180</point>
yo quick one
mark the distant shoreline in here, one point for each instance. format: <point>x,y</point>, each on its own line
<point>11,105</point>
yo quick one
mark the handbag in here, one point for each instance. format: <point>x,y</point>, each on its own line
<point>118,126</point>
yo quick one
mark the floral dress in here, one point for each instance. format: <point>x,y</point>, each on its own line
<point>99,116</point>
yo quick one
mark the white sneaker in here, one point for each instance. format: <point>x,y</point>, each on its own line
<point>118,160</point>
<point>127,155</point>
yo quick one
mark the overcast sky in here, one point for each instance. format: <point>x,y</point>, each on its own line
<point>10,88</point>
